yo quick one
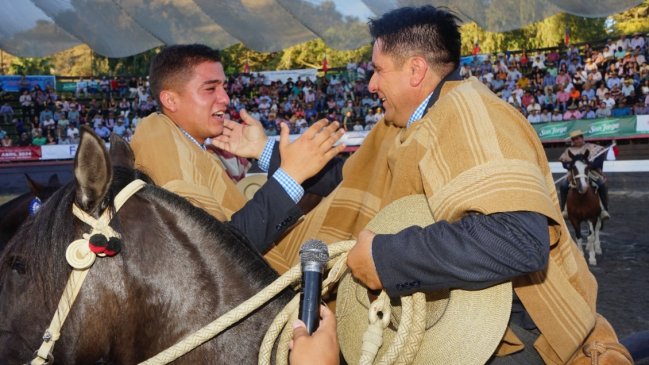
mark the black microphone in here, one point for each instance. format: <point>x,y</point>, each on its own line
<point>314,255</point>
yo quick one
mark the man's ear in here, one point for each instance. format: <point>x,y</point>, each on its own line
<point>169,100</point>
<point>418,68</point>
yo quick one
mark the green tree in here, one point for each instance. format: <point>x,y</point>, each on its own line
<point>31,66</point>
<point>632,20</point>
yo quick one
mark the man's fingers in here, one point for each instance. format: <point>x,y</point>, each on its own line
<point>284,138</point>
<point>315,128</point>
<point>299,330</point>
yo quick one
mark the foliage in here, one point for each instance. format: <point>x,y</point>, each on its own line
<point>305,55</point>
<point>632,20</point>
<point>546,33</point>
<point>81,61</point>
<point>31,66</point>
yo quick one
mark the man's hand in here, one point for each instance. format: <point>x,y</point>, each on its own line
<point>361,263</point>
<point>246,139</point>
<point>308,154</point>
<point>321,348</point>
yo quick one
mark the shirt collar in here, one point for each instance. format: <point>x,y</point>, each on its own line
<point>432,98</point>
<point>192,139</point>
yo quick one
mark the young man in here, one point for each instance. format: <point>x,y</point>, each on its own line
<point>189,84</point>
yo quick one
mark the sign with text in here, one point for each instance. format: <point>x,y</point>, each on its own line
<point>58,151</point>
<point>13,83</point>
<point>594,128</point>
<point>15,154</point>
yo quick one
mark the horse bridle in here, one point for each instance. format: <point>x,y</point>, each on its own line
<point>81,257</point>
<point>574,177</point>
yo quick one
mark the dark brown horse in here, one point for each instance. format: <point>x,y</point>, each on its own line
<point>583,205</point>
<point>178,270</point>
<point>14,212</point>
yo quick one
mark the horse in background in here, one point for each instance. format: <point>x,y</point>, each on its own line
<point>583,205</point>
<point>14,212</point>
<point>178,270</point>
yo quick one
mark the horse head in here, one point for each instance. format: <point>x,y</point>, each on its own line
<point>579,169</point>
<point>14,212</point>
<point>178,269</point>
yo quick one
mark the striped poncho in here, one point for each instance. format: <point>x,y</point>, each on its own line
<point>470,153</point>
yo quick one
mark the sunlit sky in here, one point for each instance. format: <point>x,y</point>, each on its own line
<point>346,7</point>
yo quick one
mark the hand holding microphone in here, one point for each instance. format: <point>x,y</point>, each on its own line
<point>314,255</point>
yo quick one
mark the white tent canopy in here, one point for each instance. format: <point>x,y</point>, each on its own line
<point>120,28</point>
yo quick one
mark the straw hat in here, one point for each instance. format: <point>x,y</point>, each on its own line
<point>250,184</point>
<point>576,133</point>
<point>462,326</point>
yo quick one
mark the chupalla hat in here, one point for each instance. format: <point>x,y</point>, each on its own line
<point>250,184</point>
<point>576,133</point>
<point>462,326</point>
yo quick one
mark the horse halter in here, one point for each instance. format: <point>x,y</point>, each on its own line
<point>574,177</point>
<point>81,254</point>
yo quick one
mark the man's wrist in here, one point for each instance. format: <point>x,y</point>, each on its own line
<point>266,153</point>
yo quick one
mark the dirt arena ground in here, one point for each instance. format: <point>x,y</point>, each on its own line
<point>623,268</point>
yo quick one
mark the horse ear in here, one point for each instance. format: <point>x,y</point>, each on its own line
<point>587,153</point>
<point>54,181</point>
<point>121,153</point>
<point>93,172</point>
<point>572,157</point>
<point>33,185</point>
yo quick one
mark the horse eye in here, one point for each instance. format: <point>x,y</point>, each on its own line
<point>17,264</point>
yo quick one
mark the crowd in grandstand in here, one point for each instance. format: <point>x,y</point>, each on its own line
<point>574,83</point>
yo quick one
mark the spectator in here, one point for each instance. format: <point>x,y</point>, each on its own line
<point>26,105</point>
<point>39,139</point>
<point>534,116</point>
<point>572,113</point>
<point>7,113</point>
<point>557,116</point>
<point>24,140</point>
<point>102,131</point>
<point>6,140</point>
<point>621,110</point>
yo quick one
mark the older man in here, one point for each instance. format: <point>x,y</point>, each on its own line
<point>487,183</point>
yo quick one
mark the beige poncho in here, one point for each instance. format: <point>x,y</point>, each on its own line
<point>178,165</point>
<point>470,153</point>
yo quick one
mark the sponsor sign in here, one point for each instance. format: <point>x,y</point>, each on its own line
<point>642,124</point>
<point>58,151</point>
<point>14,154</point>
<point>593,128</point>
<point>309,73</point>
<point>11,83</point>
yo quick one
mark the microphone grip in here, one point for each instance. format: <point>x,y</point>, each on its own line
<point>310,300</point>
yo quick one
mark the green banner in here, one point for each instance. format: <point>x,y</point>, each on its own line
<point>592,128</point>
<point>66,86</point>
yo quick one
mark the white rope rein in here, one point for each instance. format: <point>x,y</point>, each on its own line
<point>81,258</point>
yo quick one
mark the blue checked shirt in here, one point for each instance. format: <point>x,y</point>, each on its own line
<point>292,188</point>
<point>419,112</point>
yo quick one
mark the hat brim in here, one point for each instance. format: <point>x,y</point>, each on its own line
<point>250,184</point>
<point>464,326</point>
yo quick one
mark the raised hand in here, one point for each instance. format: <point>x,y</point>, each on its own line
<point>245,139</point>
<point>308,154</point>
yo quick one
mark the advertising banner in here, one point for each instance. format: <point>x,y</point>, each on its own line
<point>58,151</point>
<point>593,128</point>
<point>15,154</point>
<point>269,76</point>
<point>642,125</point>
<point>12,83</point>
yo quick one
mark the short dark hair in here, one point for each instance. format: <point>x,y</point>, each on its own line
<point>427,31</point>
<point>173,66</point>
